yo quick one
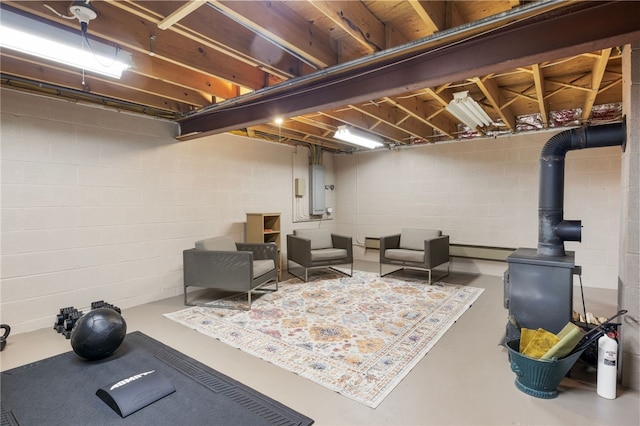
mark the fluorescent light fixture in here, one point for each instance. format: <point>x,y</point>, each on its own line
<point>358,137</point>
<point>465,109</point>
<point>26,35</point>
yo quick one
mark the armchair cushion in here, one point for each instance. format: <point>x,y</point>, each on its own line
<point>405,255</point>
<point>261,267</point>
<point>328,254</point>
<point>320,238</point>
<point>413,238</point>
<point>218,244</point>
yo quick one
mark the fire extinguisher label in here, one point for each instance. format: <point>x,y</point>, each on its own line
<point>609,358</point>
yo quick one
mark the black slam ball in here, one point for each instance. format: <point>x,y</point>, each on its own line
<point>98,333</point>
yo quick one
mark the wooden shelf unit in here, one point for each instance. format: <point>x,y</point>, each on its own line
<point>265,228</point>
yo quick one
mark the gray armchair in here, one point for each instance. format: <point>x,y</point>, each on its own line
<point>318,248</point>
<point>228,267</point>
<point>415,248</point>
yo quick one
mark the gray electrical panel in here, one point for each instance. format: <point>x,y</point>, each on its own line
<point>316,189</point>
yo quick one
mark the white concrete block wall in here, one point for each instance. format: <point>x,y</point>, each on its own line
<point>483,192</point>
<point>98,205</point>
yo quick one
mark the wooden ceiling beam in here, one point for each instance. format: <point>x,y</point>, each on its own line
<point>597,74</point>
<point>390,116</point>
<point>180,13</point>
<point>539,82</point>
<point>168,73</point>
<point>492,92</point>
<point>432,13</point>
<point>583,26</point>
<point>568,85</point>
<point>320,124</point>
<point>276,22</point>
<point>289,131</point>
<point>357,21</point>
<point>227,36</point>
<point>419,111</point>
<point>352,116</point>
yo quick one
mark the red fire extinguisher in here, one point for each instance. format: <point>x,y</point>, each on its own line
<point>607,365</point>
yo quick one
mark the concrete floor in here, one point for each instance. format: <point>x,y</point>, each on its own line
<point>464,380</point>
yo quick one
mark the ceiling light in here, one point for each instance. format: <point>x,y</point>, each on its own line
<point>465,109</point>
<point>358,137</point>
<point>33,37</point>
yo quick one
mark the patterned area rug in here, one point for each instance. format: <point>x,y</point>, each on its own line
<point>358,336</point>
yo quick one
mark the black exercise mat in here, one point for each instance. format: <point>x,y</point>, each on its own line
<point>61,390</point>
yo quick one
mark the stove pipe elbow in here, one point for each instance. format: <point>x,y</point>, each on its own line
<point>553,230</point>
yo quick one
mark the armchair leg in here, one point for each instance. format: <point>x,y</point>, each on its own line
<point>289,271</point>
<point>445,275</point>
<point>390,272</point>
<point>448,268</point>
<point>342,272</point>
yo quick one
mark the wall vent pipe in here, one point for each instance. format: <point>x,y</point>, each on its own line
<point>553,230</point>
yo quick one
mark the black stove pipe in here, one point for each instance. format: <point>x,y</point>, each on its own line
<point>553,230</point>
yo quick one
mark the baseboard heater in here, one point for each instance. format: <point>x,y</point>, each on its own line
<point>480,252</point>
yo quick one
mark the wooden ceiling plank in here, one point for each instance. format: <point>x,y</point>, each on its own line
<point>175,46</point>
<point>523,94</point>
<point>597,74</point>
<point>387,115</point>
<point>610,85</point>
<point>357,21</point>
<point>293,137</point>
<point>180,13</point>
<point>314,122</point>
<point>279,24</point>
<point>418,110</point>
<point>539,82</point>
<point>555,92</point>
<point>568,85</point>
<point>229,38</point>
<point>356,118</point>
<point>491,91</point>
<point>403,119</point>
<point>170,73</point>
<point>431,13</point>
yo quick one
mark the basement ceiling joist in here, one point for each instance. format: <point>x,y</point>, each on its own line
<point>430,64</point>
<point>216,66</point>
